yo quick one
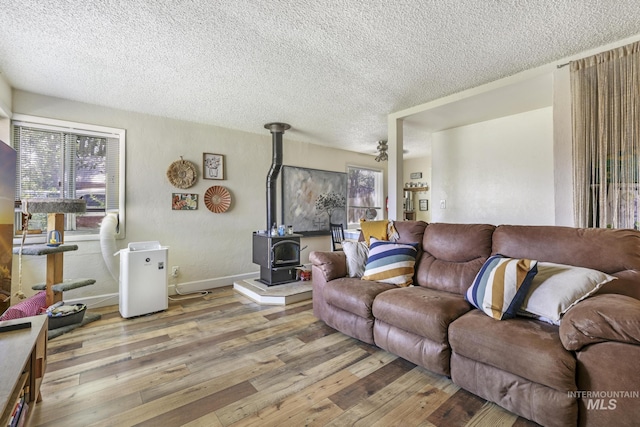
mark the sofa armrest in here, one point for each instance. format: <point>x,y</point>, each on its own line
<point>332,264</point>
<point>607,317</point>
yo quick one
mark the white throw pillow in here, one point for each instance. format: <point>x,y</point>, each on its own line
<point>557,287</point>
<point>357,254</point>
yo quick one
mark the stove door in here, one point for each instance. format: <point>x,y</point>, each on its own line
<point>285,253</point>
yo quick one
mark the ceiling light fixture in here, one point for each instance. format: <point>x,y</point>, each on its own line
<point>382,152</point>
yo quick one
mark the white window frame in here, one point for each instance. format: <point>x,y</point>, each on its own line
<point>382,206</point>
<point>86,129</point>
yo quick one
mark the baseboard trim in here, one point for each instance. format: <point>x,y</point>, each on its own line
<point>203,285</point>
<point>96,301</point>
<point>184,288</point>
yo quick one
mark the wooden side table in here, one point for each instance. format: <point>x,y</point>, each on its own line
<point>24,359</point>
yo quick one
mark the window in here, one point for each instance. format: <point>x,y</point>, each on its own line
<point>58,159</point>
<point>365,195</point>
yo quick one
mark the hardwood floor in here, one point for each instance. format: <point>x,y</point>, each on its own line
<point>222,360</point>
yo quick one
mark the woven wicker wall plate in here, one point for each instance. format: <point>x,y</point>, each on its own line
<point>182,174</point>
<point>217,199</point>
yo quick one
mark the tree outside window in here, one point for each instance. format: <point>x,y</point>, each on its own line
<point>365,194</point>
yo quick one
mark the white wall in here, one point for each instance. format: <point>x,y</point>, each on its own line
<point>563,147</point>
<point>5,110</point>
<point>497,172</point>
<point>211,249</point>
<point>423,165</point>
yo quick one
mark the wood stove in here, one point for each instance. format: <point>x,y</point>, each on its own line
<point>278,257</point>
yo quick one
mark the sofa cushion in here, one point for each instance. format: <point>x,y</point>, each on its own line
<point>501,285</point>
<point>583,247</point>
<point>390,262</point>
<point>453,255</point>
<point>354,295</point>
<point>410,232</point>
<point>412,347</point>
<point>558,287</point>
<point>331,264</point>
<point>536,402</point>
<point>424,312</point>
<point>599,319</point>
<point>608,369</point>
<point>524,347</point>
<point>357,254</point>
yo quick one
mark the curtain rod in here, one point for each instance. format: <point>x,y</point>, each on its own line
<point>563,65</point>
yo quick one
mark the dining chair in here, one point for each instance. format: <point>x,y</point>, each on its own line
<point>337,236</point>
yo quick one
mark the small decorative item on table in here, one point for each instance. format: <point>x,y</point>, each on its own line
<point>303,274</point>
<point>54,239</point>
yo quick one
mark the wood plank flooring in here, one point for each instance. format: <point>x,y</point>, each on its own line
<point>222,360</point>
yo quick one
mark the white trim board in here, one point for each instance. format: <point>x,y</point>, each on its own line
<point>106,300</point>
<point>284,294</point>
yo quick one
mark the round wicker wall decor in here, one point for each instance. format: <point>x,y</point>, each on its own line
<point>217,199</point>
<point>182,174</point>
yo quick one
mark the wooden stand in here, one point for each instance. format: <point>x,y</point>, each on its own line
<point>55,264</point>
<point>24,361</point>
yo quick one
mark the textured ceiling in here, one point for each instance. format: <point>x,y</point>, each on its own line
<point>333,69</point>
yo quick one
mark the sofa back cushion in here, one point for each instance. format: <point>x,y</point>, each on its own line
<point>410,231</point>
<point>612,251</point>
<point>452,255</point>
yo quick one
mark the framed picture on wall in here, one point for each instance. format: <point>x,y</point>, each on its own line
<point>212,166</point>
<point>424,204</point>
<point>312,199</point>
<point>184,201</point>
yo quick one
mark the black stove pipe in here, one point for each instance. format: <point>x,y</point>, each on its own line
<point>277,130</point>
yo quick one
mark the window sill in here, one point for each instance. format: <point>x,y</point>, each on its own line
<point>69,237</point>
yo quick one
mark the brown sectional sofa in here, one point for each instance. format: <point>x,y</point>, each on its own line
<point>583,372</point>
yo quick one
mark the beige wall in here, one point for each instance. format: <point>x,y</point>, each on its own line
<point>211,249</point>
<point>423,165</point>
<point>497,172</point>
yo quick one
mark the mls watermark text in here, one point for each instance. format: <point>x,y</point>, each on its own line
<point>603,400</point>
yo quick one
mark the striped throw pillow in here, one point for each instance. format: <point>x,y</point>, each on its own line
<point>501,286</point>
<point>390,262</point>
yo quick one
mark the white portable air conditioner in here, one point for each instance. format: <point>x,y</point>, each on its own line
<point>143,279</point>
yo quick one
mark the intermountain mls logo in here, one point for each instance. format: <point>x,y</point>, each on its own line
<point>603,400</point>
